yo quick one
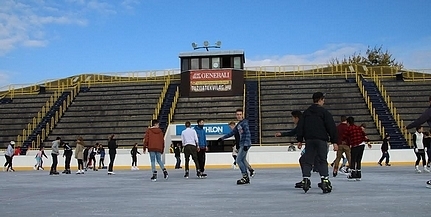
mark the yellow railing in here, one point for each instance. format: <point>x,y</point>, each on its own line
<point>392,108</point>
<point>174,105</point>
<point>260,110</point>
<point>160,101</point>
<point>369,104</point>
<point>36,120</point>
<point>56,118</point>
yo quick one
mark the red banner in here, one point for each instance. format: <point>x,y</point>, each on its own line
<point>211,80</point>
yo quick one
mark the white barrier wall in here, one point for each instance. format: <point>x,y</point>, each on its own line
<point>266,156</point>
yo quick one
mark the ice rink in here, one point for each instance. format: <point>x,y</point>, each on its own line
<point>383,191</point>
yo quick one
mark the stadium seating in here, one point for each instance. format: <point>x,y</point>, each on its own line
<point>282,95</point>
<point>123,109</point>
<point>212,109</point>
<point>16,113</point>
<point>409,98</point>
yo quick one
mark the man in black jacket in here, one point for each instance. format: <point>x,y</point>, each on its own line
<point>112,146</point>
<point>317,127</point>
<point>68,154</point>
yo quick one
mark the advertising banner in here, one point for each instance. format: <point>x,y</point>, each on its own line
<point>210,129</point>
<point>211,80</point>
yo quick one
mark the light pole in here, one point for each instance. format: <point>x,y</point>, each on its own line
<point>206,45</point>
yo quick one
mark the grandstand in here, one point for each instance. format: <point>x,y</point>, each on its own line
<point>124,105</point>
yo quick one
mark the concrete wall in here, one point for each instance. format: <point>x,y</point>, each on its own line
<point>260,156</point>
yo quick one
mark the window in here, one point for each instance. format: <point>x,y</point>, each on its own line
<point>205,63</point>
<point>185,65</point>
<point>195,63</point>
<point>215,63</point>
<point>237,62</point>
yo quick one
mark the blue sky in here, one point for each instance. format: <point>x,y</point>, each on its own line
<point>48,39</point>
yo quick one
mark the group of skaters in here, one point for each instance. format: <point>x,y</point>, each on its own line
<point>315,125</point>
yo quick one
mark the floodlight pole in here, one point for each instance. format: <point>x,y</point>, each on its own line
<point>206,45</point>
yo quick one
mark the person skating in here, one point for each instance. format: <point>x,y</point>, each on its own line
<point>316,126</point>
<point>177,152</point>
<point>112,146</point>
<point>9,157</point>
<point>385,151</point>
<point>134,152</point>
<point>79,154</point>
<point>242,127</point>
<point>354,137</point>
<point>154,142</point>
<point>101,152</point>
<point>343,148</point>
<point>419,149</point>
<point>54,154</point>
<point>236,148</point>
<point>189,140</point>
<point>202,145</point>
<point>296,115</point>
<point>67,154</point>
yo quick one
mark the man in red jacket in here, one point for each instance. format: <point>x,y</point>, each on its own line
<point>355,137</point>
<point>342,147</point>
<point>155,143</point>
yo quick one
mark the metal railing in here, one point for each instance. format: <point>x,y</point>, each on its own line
<point>260,109</point>
<point>392,108</point>
<point>36,120</point>
<point>174,105</point>
<point>160,100</point>
<point>56,118</point>
<point>369,104</point>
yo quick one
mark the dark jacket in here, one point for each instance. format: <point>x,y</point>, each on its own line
<point>385,145</point>
<point>317,123</point>
<point>290,133</point>
<point>177,151</point>
<point>425,117</point>
<point>67,150</point>
<point>134,151</point>
<point>112,146</point>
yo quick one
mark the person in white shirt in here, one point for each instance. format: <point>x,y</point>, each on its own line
<point>418,144</point>
<point>189,139</point>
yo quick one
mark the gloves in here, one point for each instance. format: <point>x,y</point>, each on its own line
<point>245,148</point>
<point>416,150</point>
<point>219,140</point>
<point>425,149</point>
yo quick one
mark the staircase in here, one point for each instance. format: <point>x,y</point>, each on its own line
<point>45,120</point>
<point>252,109</point>
<point>166,106</point>
<point>397,140</point>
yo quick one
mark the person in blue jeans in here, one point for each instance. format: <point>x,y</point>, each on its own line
<point>244,145</point>
<point>202,146</point>
<point>154,142</point>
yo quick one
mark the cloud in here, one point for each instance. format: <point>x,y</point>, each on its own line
<point>322,56</point>
<point>24,24</point>
<point>129,4</point>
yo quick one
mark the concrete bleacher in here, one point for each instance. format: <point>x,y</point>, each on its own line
<point>409,98</point>
<point>123,109</point>
<point>16,114</point>
<point>282,95</point>
<point>211,109</point>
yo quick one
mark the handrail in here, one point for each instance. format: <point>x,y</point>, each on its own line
<point>56,118</point>
<point>174,105</point>
<point>160,101</point>
<point>392,108</point>
<point>36,120</point>
<point>260,110</point>
<point>369,104</point>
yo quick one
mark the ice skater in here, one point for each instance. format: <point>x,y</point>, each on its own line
<point>242,127</point>
<point>419,148</point>
<point>154,142</point>
<point>134,152</point>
